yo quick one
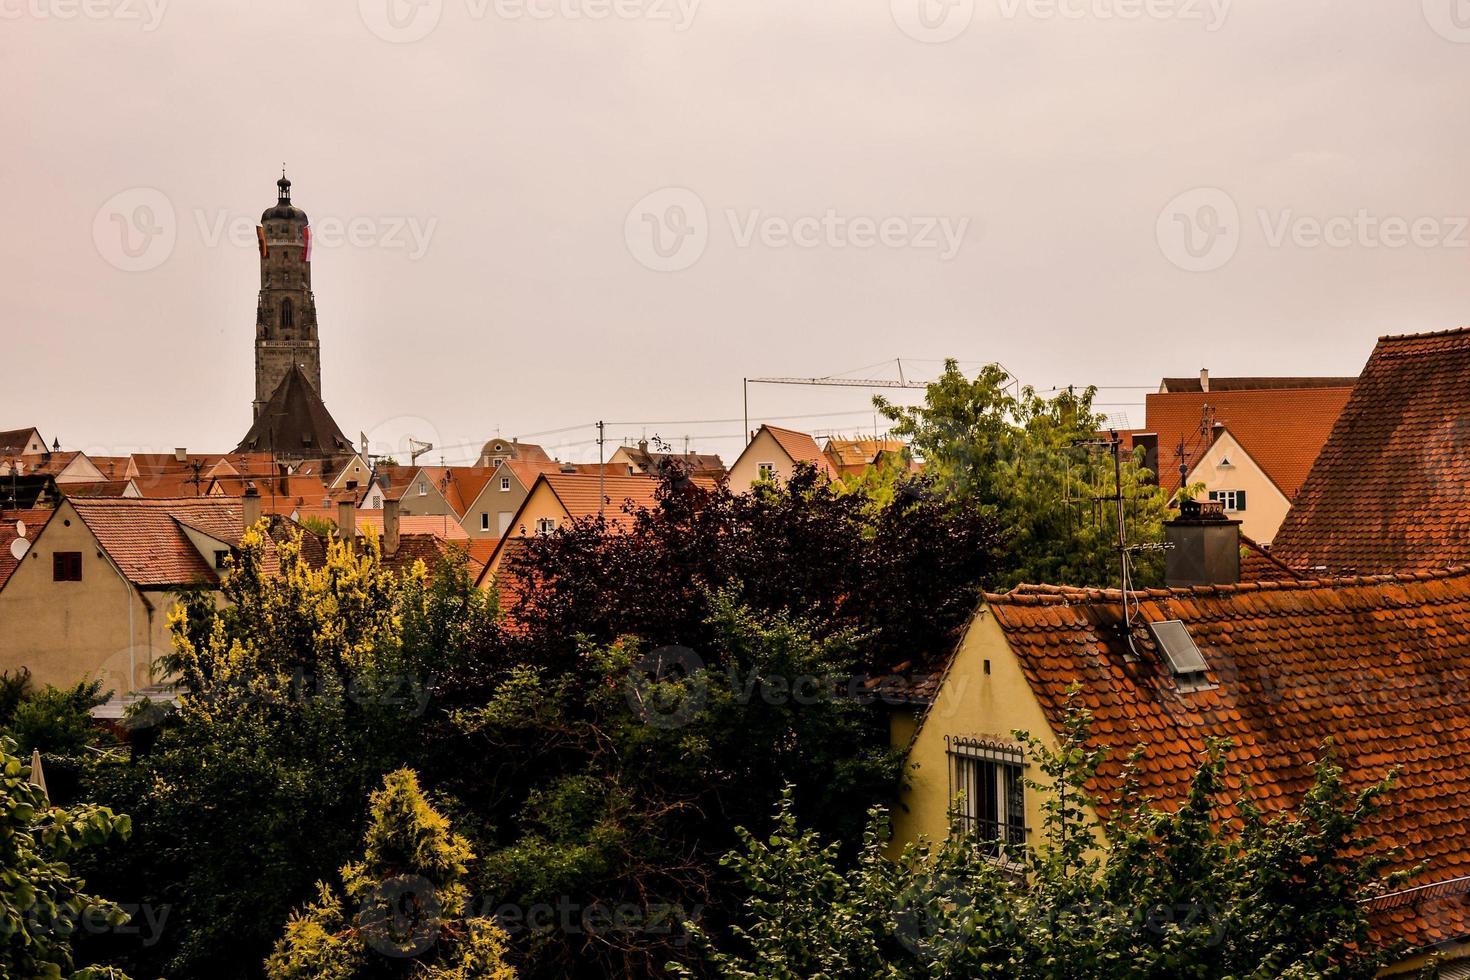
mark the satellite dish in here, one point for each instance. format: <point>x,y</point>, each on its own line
<point>20,529</point>
<point>18,548</point>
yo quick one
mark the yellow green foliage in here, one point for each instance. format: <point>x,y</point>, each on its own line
<point>404,910</point>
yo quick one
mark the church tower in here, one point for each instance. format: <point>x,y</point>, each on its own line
<point>285,318</point>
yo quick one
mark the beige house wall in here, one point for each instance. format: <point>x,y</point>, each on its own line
<point>66,632</point>
<point>762,449</point>
<point>1227,466</point>
<point>496,505</point>
<point>429,504</point>
<point>356,470</point>
<point>984,695</point>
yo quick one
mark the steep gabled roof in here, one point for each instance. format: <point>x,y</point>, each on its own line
<point>1391,488</point>
<point>146,539</point>
<point>13,442</point>
<point>1376,665</point>
<point>295,424</point>
<point>1283,429</point>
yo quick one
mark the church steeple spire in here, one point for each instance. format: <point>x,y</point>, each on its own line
<point>285,318</point>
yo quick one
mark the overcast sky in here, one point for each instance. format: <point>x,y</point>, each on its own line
<point>532,214</point>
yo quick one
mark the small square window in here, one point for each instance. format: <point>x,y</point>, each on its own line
<point>221,558</point>
<point>545,525</point>
<point>66,566</point>
<point>504,484</point>
<point>767,471</point>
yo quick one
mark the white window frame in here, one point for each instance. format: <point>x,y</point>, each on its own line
<point>505,484</point>
<point>765,471</point>
<point>423,488</point>
<point>545,525</point>
<point>1228,499</point>
<point>484,520</point>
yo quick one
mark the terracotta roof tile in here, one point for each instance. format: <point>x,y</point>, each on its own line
<point>11,521</point>
<point>146,540</point>
<point>1377,665</point>
<point>801,447</point>
<point>1391,489</point>
<point>1283,429</point>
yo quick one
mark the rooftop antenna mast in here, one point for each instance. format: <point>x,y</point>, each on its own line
<point>417,448</point>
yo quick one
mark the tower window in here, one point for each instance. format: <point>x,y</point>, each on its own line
<point>288,314</point>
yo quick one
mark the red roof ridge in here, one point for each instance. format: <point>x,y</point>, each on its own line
<point>1422,336</point>
<point>1039,594</point>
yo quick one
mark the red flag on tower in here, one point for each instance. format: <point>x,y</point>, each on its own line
<point>260,236</point>
<point>306,244</point>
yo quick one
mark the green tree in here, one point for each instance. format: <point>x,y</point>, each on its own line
<point>58,721</point>
<point>42,904</point>
<point>296,697</point>
<point>1169,894</point>
<point>403,910</point>
<point>1036,465</point>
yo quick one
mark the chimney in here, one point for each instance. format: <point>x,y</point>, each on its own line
<point>1205,546</point>
<point>390,527</point>
<point>1204,379</point>
<point>347,522</point>
<point>250,507</point>
<point>181,455</point>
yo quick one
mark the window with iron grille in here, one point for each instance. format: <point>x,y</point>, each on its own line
<point>987,790</point>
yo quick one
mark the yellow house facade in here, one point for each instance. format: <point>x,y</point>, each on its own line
<point>1279,669</point>
<point>1233,477</point>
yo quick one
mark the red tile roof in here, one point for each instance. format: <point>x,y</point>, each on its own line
<point>801,447</point>
<point>579,494</point>
<point>98,488</point>
<point>13,442</point>
<point>146,539</point>
<point>1391,489</point>
<point>11,521</point>
<point>1283,429</point>
<point>1259,565</point>
<point>856,455</point>
<point>1377,665</point>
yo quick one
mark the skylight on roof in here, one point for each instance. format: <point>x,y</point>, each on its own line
<point>1179,648</point>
